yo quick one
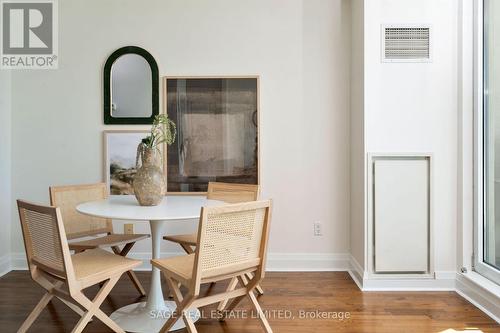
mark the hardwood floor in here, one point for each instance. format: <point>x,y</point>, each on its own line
<point>334,293</point>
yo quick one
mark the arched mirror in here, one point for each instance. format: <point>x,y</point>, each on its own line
<point>130,87</point>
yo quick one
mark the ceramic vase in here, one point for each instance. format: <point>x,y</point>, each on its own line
<point>149,181</point>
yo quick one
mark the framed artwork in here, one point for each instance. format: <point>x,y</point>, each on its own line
<point>217,139</point>
<point>120,151</point>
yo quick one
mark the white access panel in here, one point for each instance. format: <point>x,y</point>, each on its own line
<point>401,188</point>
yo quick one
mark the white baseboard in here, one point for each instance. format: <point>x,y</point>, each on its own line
<point>356,272</point>
<point>481,292</point>
<point>409,284</point>
<point>5,264</point>
<point>307,262</point>
<point>276,262</point>
<point>442,280</point>
<point>18,260</point>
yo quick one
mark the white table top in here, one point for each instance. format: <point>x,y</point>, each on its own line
<point>126,207</point>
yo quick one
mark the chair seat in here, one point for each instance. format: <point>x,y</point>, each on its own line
<point>107,241</point>
<point>97,265</point>
<point>180,267</point>
<point>190,239</point>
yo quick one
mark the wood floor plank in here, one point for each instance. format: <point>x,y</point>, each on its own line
<point>293,294</point>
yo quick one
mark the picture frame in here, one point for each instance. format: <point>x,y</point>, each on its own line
<point>206,162</point>
<point>120,151</point>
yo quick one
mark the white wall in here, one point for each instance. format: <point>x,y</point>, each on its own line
<point>5,169</point>
<point>465,64</point>
<point>412,107</point>
<point>299,48</point>
<point>357,135</point>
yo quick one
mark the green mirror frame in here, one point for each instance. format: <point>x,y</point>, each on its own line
<point>108,117</point>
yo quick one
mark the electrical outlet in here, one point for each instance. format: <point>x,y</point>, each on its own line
<point>318,230</point>
<point>128,228</point>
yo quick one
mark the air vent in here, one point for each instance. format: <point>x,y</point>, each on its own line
<point>406,44</point>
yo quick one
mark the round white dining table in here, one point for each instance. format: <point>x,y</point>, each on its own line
<point>149,316</point>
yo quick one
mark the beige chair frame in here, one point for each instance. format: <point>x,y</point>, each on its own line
<point>199,276</point>
<point>63,283</point>
<point>230,193</point>
<point>93,226</point>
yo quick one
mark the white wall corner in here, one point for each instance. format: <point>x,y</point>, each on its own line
<point>356,272</point>
<point>18,261</point>
<point>5,169</point>
<point>481,292</point>
<point>5,264</point>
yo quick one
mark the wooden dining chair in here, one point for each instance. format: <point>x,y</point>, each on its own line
<point>101,230</point>
<point>227,192</point>
<point>63,275</point>
<point>232,241</point>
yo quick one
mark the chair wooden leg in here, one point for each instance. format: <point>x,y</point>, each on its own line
<point>72,306</point>
<point>82,323</point>
<point>131,274</point>
<point>232,285</point>
<point>107,321</point>
<point>176,292</point>
<point>182,306</point>
<point>136,282</point>
<point>189,322</point>
<point>35,313</point>
<point>231,306</point>
<point>262,316</point>
<point>180,310</point>
<point>171,292</point>
<point>178,298</point>
<point>187,248</point>
<point>244,282</point>
<point>259,289</point>
<point>92,307</point>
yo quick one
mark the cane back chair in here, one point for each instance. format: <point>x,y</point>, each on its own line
<point>226,192</point>
<point>63,275</point>
<point>100,230</point>
<point>232,241</point>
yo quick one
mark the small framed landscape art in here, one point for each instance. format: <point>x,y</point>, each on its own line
<point>120,153</point>
<point>217,121</point>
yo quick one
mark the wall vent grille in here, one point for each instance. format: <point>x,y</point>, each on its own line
<point>406,44</point>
